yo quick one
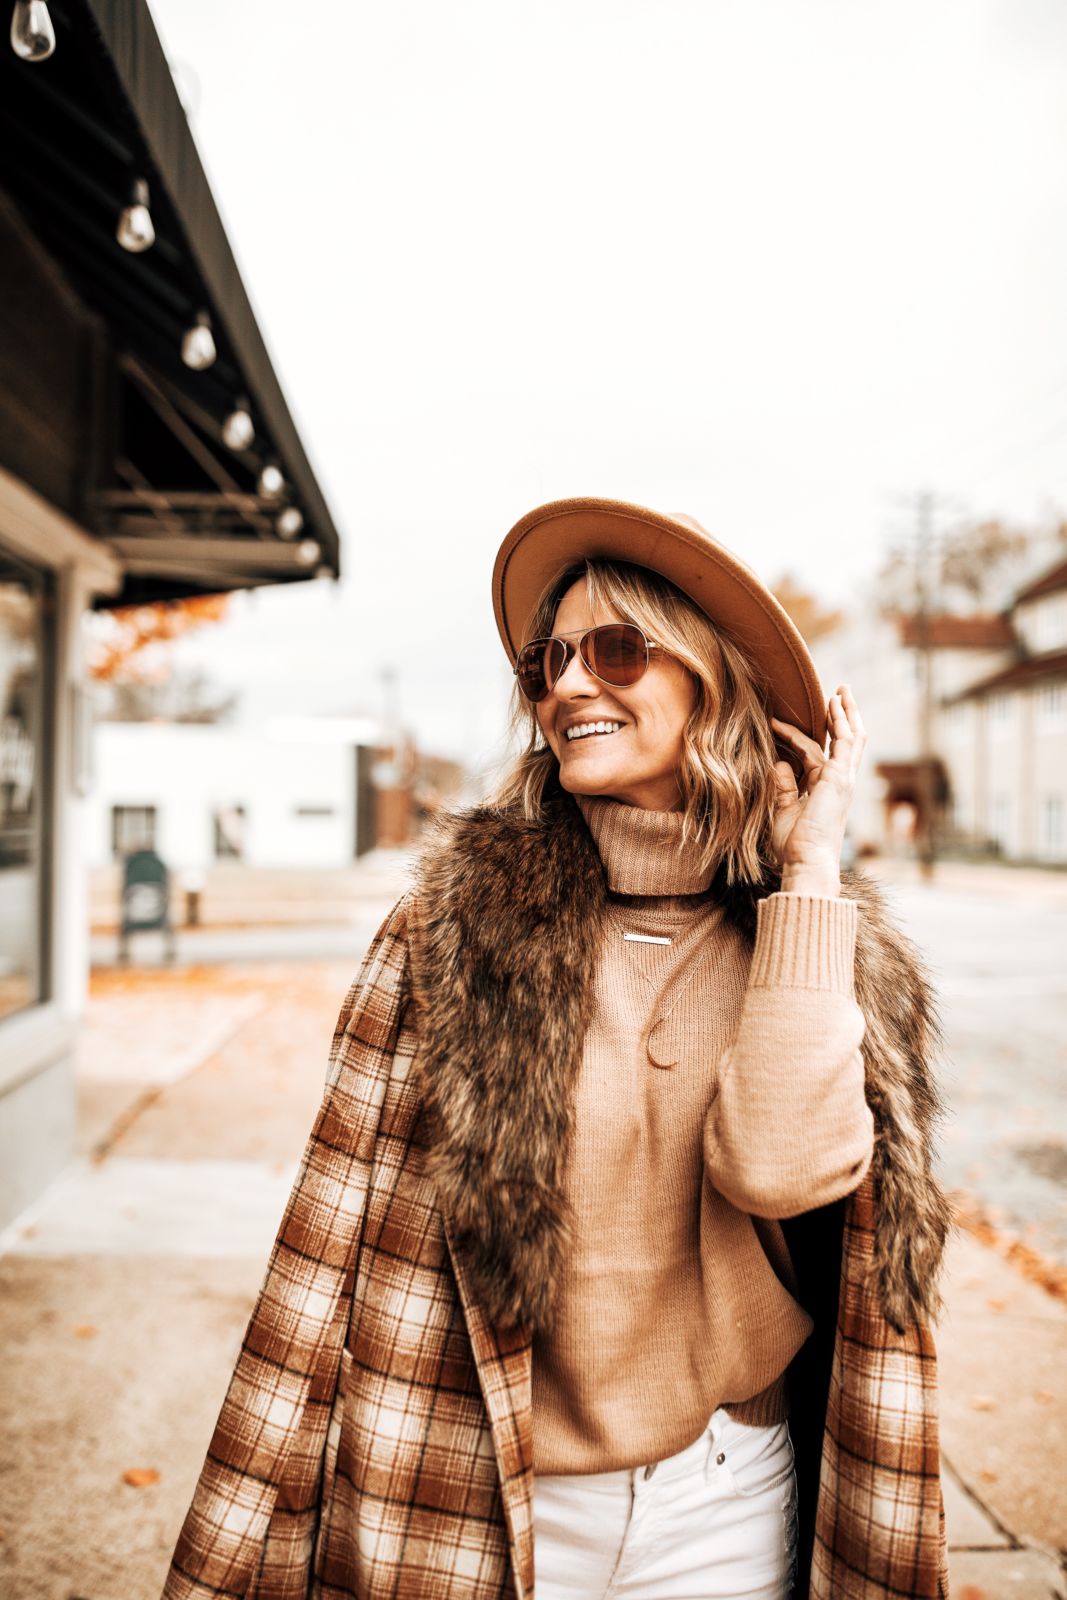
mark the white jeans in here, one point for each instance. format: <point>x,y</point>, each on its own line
<point>715,1522</point>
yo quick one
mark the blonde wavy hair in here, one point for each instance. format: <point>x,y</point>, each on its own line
<point>726,774</point>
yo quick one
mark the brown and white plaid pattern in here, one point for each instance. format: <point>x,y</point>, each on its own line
<point>879,1525</point>
<point>377,1443</point>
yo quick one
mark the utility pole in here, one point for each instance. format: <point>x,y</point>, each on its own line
<point>925,833</point>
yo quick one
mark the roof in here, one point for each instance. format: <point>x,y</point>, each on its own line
<point>181,509</point>
<point>1050,582</point>
<point>943,631</point>
<point>1035,669</point>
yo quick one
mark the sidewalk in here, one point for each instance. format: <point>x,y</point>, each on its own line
<point>125,1294</point>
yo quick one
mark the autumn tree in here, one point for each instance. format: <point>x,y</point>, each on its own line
<point>123,641</point>
<point>974,567</point>
<point>811,618</point>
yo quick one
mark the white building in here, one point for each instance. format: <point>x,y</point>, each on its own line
<point>1005,736</point>
<point>295,793</point>
<point>997,774</point>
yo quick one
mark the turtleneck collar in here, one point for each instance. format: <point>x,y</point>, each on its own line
<point>643,851</point>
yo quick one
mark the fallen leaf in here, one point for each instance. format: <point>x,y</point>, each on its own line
<point>1044,1397</point>
<point>987,1476</point>
<point>996,1305</point>
<point>84,1330</point>
<point>970,1591</point>
<point>140,1477</point>
<point>983,1402</point>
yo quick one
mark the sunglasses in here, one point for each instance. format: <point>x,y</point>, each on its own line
<point>616,653</point>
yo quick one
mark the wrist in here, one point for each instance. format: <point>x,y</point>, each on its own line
<point>822,881</point>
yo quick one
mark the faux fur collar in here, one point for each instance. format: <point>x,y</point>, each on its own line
<point>504,944</point>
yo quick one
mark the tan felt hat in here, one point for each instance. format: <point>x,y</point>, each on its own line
<point>546,541</point>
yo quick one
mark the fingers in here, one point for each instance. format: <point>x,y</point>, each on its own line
<point>810,753</point>
<point>848,736</point>
<point>846,729</point>
<point>785,783</point>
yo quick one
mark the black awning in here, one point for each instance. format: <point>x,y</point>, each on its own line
<point>183,511</point>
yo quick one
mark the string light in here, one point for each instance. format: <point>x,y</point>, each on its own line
<point>33,37</point>
<point>135,231</point>
<point>308,552</point>
<point>198,344</point>
<point>238,430</point>
<point>289,522</point>
<point>270,482</point>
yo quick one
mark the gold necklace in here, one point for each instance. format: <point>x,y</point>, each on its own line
<point>665,1066</point>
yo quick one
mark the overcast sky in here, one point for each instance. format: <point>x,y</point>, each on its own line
<point>772,263</point>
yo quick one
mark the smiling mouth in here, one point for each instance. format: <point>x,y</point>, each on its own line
<point>585,730</point>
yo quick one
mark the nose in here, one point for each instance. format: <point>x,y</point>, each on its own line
<point>576,682</point>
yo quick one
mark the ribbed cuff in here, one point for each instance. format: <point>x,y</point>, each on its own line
<point>805,942</point>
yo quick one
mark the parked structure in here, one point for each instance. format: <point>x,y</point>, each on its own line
<point>146,453</point>
<point>996,779</point>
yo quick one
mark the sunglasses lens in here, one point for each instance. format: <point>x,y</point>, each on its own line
<point>537,667</point>
<point>617,653</point>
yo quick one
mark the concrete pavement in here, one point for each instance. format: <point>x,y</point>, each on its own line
<point>125,1292</point>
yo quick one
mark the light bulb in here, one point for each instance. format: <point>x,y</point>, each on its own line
<point>32,34</point>
<point>135,231</point>
<point>238,430</point>
<point>307,552</point>
<point>289,522</point>
<point>198,345</point>
<point>271,483</point>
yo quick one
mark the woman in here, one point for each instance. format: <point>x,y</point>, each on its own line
<point>623,1158</point>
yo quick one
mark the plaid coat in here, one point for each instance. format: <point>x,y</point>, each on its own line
<point>375,1440</point>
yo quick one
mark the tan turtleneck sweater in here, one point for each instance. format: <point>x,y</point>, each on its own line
<point>676,1296</point>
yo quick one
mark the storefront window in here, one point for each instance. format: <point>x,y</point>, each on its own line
<point>24,657</point>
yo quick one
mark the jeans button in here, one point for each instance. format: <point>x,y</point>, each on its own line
<point>720,1458</point>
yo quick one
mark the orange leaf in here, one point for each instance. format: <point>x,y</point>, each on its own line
<point>140,1477</point>
<point>983,1402</point>
<point>84,1330</point>
<point>971,1591</point>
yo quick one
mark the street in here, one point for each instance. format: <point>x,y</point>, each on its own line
<point>997,955</point>
<point>125,1291</point>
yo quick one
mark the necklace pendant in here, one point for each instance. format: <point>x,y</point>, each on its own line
<point>654,1061</point>
<point>647,938</point>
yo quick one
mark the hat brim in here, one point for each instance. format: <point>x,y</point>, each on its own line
<point>547,540</point>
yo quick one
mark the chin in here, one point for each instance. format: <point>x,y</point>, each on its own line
<point>575,781</point>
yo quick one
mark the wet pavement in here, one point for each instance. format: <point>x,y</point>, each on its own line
<point>125,1291</point>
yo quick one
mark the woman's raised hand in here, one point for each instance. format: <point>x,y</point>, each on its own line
<point>809,825</point>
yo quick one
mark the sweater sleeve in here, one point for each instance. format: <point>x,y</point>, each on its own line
<point>789,1128</point>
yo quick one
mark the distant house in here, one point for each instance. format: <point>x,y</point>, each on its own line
<point>993,776</point>
<point>298,792</point>
<point>1005,736</point>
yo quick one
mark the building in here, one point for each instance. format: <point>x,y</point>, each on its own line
<point>989,771</point>
<point>146,453</point>
<point>1005,737</point>
<point>296,793</point>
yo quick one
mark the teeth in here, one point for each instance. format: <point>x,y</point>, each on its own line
<point>582,729</point>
